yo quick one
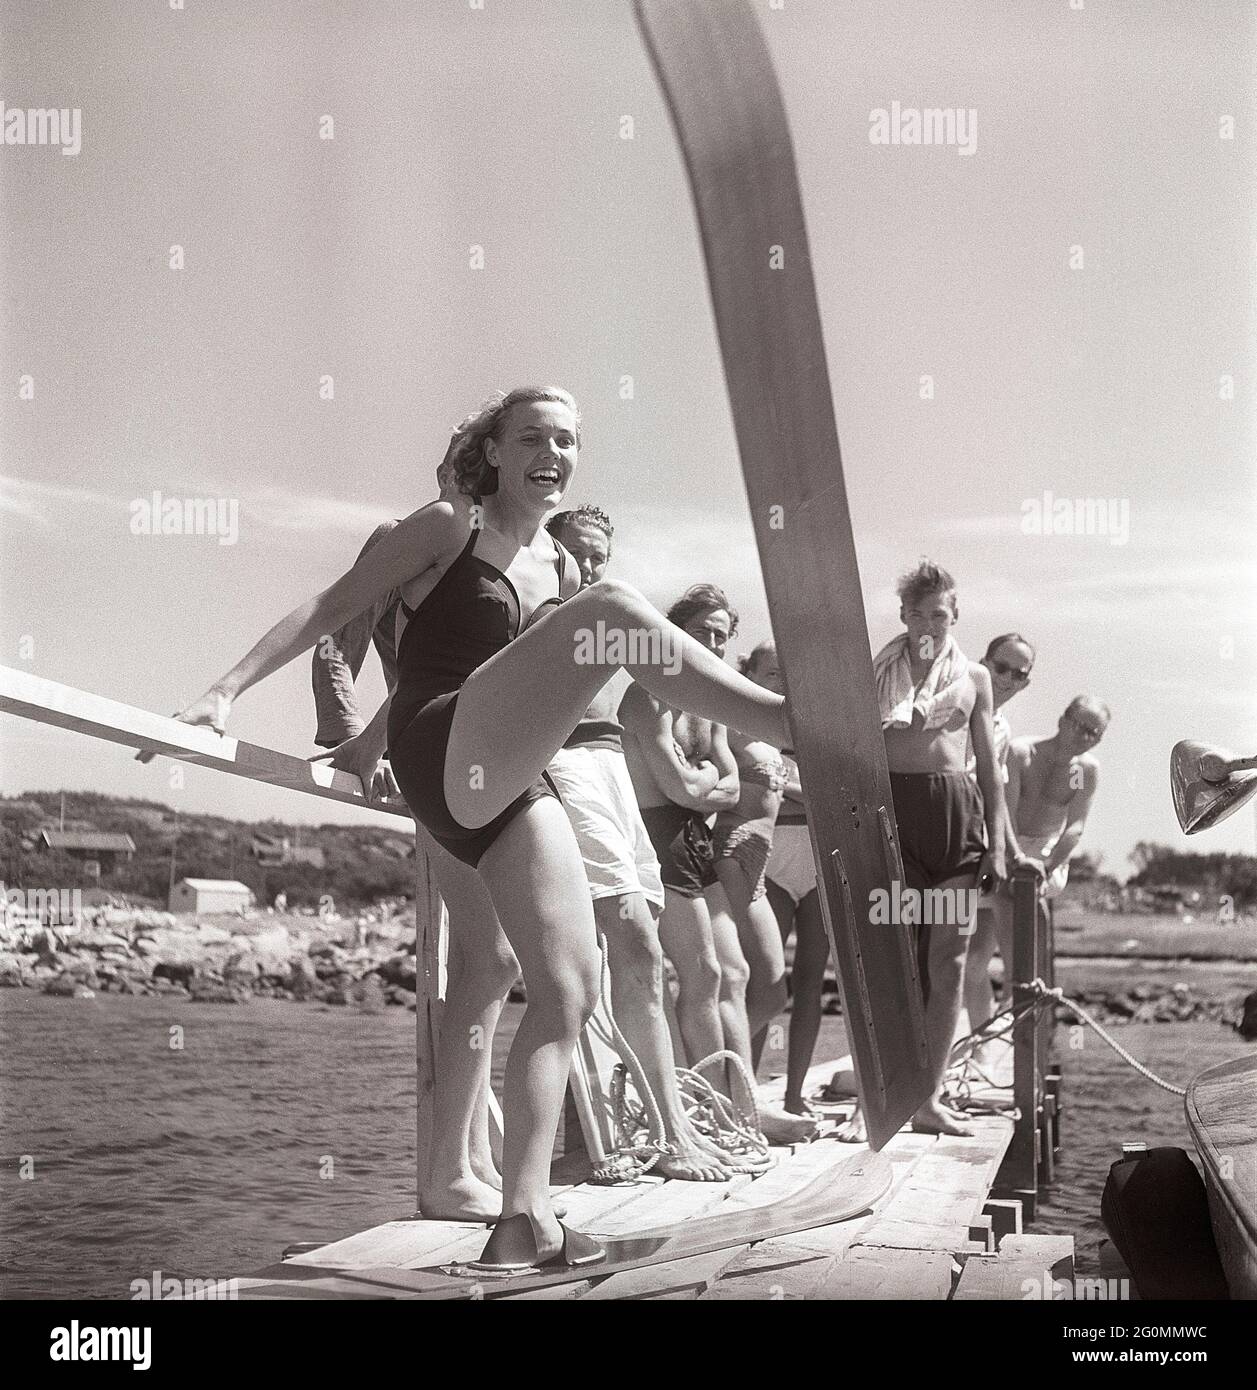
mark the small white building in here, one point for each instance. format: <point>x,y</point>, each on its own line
<point>205,895</point>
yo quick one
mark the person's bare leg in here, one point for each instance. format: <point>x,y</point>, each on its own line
<point>948,946</point>
<point>807,980</point>
<point>778,1126</point>
<point>635,965</point>
<point>782,906</point>
<point>493,754</point>
<point>685,935</point>
<point>735,975</point>
<point>763,949</point>
<point>462,1180</point>
<point>979,998</point>
<point>536,877</point>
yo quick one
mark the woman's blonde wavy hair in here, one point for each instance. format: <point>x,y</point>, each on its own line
<point>465,466</point>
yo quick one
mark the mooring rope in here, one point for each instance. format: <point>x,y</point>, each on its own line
<point>1045,995</point>
<point>1042,995</point>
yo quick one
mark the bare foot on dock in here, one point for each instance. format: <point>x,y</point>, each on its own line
<point>467,1199</point>
<point>934,1118</point>
<point>853,1131</point>
<point>796,1105</point>
<point>781,1127</point>
<point>691,1165</point>
<point>711,1152</point>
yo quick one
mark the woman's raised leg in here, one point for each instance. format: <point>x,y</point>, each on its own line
<point>516,709</point>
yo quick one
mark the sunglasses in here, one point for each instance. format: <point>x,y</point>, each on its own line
<point>1018,673</point>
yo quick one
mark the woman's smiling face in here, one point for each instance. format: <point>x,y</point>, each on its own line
<point>535,454</point>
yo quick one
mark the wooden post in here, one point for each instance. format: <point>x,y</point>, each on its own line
<point>431,955</point>
<point>1019,1174</point>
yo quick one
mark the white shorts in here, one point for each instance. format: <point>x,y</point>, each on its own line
<point>602,807</point>
<point>791,865</point>
<point>1039,847</point>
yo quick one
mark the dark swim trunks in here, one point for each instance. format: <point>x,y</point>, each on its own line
<point>941,826</point>
<point>683,843</point>
<point>941,836</point>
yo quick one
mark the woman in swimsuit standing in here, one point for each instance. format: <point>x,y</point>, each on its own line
<point>485,696</point>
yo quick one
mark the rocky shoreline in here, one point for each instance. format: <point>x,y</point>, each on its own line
<point>1148,1003</point>
<point>366,962</point>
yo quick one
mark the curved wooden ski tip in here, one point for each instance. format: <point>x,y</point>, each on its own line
<point>714,66</point>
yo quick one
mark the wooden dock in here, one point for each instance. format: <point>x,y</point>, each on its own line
<point>937,1234</point>
<point>947,1228</point>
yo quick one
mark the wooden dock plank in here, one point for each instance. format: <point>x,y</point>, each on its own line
<point>590,1202</point>
<point>946,1190</point>
<point>688,1277</point>
<point>773,1270</point>
<point>666,1204</point>
<point>559,1293</point>
<point>795,1266</point>
<point>1025,1267</point>
<point>402,1244</point>
<point>866,1272</point>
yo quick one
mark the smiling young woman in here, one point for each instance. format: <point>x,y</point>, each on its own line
<point>488,689</point>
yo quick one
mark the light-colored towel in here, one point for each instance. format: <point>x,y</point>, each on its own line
<point>938,697</point>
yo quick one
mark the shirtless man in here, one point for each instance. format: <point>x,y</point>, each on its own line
<point>683,771</point>
<point>1052,782</point>
<point>623,871</point>
<point>1010,659</point>
<point>933,702</point>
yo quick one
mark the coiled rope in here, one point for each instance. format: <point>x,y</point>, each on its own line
<point>638,1127</point>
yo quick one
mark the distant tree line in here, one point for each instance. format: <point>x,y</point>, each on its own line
<point>1234,875</point>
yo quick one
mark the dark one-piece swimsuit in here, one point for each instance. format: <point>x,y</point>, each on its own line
<point>471,614</point>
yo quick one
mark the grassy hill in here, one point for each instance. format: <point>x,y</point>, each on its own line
<point>360,864</point>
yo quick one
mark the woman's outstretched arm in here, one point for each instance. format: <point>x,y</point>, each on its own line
<point>430,537</point>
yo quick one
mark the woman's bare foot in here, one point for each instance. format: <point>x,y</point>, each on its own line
<point>796,1105</point>
<point>934,1118</point>
<point>465,1199</point>
<point>781,1127</point>
<point>853,1131</point>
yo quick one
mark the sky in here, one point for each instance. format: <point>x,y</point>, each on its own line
<point>1066,309</point>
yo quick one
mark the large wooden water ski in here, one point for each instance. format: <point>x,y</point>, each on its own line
<point>839,1194</point>
<point>719,82</point>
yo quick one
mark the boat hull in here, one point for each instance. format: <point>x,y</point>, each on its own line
<point>1221,1106</point>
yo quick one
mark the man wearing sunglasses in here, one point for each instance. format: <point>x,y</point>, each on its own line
<point>1009,658</point>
